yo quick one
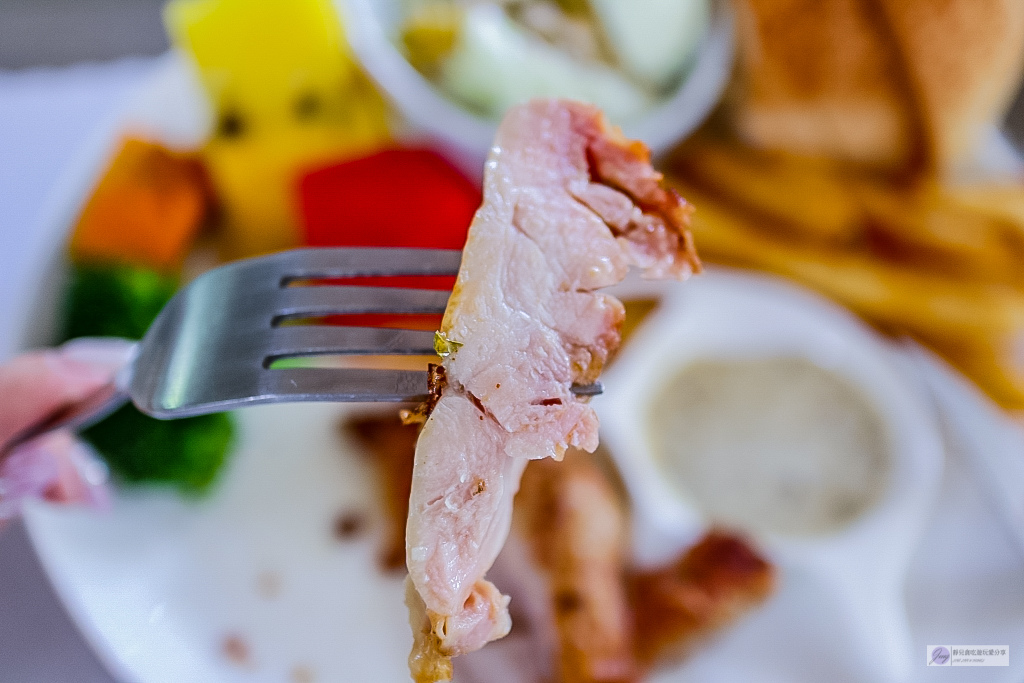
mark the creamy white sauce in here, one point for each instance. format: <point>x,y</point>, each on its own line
<point>776,445</point>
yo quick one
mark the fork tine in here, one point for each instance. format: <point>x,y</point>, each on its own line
<point>309,340</point>
<point>208,349</point>
<point>362,385</point>
<point>361,262</point>
<point>346,384</point>
<point>336,300</point>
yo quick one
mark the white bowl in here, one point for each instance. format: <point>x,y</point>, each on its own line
<point>731,316</point>
<point>370,25</point>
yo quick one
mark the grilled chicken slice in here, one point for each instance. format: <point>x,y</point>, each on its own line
<point>594,619</point>
<point>569,530</point>
<point>569,205</point>
<point>711,585</point>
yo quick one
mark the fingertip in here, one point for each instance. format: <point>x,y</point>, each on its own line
<point>110,353</point>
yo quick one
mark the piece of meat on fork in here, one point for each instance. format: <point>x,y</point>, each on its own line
<point>569,206</point>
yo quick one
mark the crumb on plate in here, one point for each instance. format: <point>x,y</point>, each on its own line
<point>236,650</point>
<point>268,584</point>
<point>303,674</point>
<point>349,525</point>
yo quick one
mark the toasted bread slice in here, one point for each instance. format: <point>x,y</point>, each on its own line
<point>963,60</point>
<point>893,83</point>
<point>819,77</point>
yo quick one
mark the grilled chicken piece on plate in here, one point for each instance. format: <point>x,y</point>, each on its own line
<point>569,206</point>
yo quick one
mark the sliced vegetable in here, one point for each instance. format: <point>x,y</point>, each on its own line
<point>289,95</point>
<point>653,39</point>
<point>394,198</point>
<point>496,63</point>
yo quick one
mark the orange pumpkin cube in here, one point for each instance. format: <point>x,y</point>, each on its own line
<point>145,211</point>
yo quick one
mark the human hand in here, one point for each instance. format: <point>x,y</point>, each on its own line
<point>56,466</point>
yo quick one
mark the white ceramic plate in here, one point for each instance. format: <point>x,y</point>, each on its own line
<point>158,584</point>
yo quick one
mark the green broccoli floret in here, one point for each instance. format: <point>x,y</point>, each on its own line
<point>188,452</point>
<point>114,301</point>
<point>122,301</point>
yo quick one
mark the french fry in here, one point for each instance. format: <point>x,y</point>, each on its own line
<point>898,296</point>
<point>996,364</point>
<point>766,183</point>
<point>927,226</point>
<point>1003,203</point>
<point>999,200</point>
<point>974,232</point>
<point>972,323</point>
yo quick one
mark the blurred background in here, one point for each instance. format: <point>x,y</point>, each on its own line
<point>48,33</point>
<point>55,33</point>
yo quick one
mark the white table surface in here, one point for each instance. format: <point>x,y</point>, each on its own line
<point>46,116</point>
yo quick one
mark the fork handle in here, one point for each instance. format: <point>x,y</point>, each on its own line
<point>76,415</point>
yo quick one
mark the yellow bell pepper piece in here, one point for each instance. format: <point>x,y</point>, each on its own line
<point>289,96</point>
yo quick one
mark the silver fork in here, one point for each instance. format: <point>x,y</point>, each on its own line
<point>212,346</point>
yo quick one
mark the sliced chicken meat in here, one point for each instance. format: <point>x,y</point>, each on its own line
<point>592,618</point>
<point>569,205</point>
<point>565,566</point>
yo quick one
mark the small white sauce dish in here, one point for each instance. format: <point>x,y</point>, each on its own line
<point>371,24</point>
<point>727,316</point>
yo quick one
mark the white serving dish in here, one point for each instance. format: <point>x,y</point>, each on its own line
<point>732,316</point>
<point>371,23</point>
